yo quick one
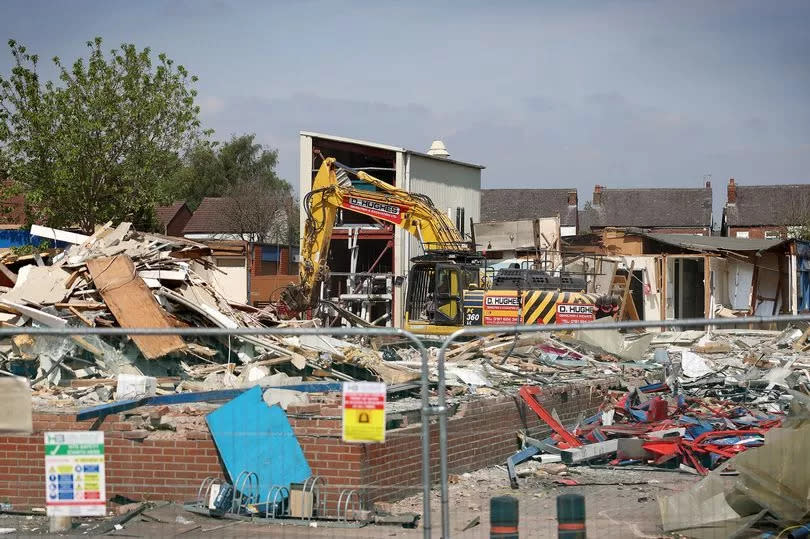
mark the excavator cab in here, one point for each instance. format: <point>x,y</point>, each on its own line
<point>435,294</point>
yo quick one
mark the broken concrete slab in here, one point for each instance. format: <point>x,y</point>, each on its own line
<point>284,397</point>
<point>15,401</point>
<point>588,452</point>
<point>40,285</point>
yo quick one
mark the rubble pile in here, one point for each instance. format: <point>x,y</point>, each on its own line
<point>731,402</point>
<point>495,363</point>
<point>719,395</point>
<point>119,277</point>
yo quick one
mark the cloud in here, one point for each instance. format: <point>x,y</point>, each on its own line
<point>211,104</point>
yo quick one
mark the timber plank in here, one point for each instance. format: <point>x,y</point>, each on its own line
<point>133,305</point>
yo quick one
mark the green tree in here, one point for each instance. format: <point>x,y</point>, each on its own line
<point>227,169</point>
<point>99,143</point>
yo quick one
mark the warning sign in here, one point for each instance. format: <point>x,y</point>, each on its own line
<point>501,308</point>
<point>74,473</point>
<point>363,412</point>
<point>575,313</point>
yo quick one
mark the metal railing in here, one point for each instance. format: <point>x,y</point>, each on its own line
<point>441,408</point>
<point>427,410</point>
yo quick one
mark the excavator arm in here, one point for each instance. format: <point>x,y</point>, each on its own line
<point>332,190</point>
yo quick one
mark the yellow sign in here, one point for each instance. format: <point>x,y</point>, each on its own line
<point>363,412</point>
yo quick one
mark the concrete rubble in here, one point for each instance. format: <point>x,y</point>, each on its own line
<point>123,278</point>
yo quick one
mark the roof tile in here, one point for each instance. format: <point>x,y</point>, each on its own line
<point>519,204</point>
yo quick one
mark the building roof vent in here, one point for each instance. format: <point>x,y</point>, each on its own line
<point>437,149</point>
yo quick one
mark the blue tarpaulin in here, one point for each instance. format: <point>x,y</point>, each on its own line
<point>254,437</point>
<point>14,238</point>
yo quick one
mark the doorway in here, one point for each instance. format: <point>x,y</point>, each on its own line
<point>687,285</point>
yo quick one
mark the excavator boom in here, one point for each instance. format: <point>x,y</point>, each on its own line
<point>331,190</point>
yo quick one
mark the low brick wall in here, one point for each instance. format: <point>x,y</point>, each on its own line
<point>480,433</point>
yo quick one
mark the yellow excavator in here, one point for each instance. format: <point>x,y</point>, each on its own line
<point>449,286</point>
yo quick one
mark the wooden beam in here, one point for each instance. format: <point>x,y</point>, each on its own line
<point>626,293</point>
<point>132,304</point>
<point>780,285</point>
<point>707,287</point>
<point>10,275</point>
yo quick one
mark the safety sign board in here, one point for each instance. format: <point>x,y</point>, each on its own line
<point>393,213</point>
<point>501,308</point>
<point>363,412</point>
<point>574,313</point>
<point>74,473</point>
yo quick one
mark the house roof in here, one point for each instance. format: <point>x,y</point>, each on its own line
<point>648,208</point>
<point>212,217</point>
<point>715,243</point>
<point>759,205</point>
<point>519,204</point>
<point>165,214</point>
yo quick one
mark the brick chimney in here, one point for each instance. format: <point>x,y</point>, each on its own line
<point>572,198</point>
<point>732,191</point>
<point>597,195</point>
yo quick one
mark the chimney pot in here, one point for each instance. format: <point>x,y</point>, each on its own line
<point>572,198</point>
<point>732,191</point>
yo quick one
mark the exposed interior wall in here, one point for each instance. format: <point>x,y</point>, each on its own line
<point>231,281</point>
<point>373,236</point>
<point>768,290</point>
<point>620,243</point>
<point>647,268</point>
<point>502,239</point>
<point>719,281</point>
<point>739,278</point>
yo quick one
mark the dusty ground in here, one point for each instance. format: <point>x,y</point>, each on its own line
<point>619,503</point>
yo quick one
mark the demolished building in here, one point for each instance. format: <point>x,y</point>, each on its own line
<point>380,251</point>
<point>676,276</point>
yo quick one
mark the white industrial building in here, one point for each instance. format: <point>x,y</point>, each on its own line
<point>375,247</point>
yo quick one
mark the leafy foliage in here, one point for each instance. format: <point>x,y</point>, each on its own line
<point>29,249</point>
<point>101,142</point>
<point>232,168</point>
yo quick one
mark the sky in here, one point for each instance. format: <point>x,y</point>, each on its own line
<point>545,94</point>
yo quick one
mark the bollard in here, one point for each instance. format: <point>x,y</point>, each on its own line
<point>571,516</point>
<point>503,517</point>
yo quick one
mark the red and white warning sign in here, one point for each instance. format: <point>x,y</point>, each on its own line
<point>393,213</point>
<point>574,313</point>
<point>363,412</point>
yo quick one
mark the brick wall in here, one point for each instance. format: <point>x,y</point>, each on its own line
<point>704,231</point>
<point>163,469</point>
<point>481,432</point>
<point>757,232</point>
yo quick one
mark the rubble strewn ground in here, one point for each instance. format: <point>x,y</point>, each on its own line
<point>685,404</point>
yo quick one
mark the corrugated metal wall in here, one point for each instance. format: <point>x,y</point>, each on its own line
<point>449,185</point>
